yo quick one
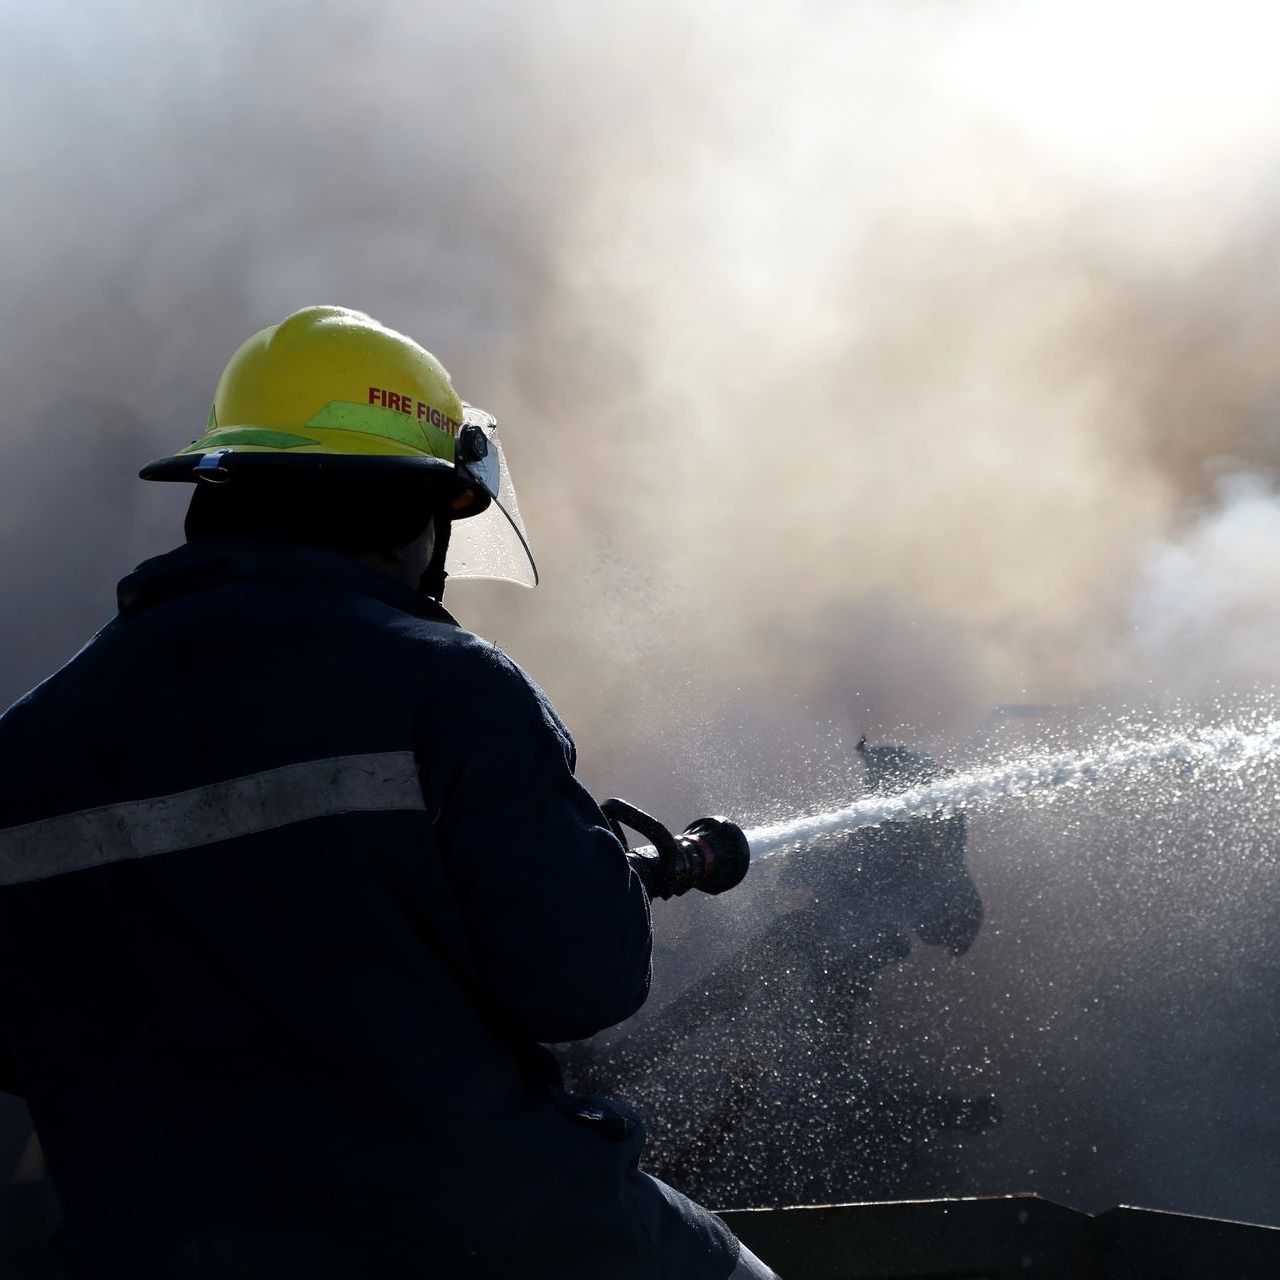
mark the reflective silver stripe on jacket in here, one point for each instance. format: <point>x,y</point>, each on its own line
<point>385,780</point>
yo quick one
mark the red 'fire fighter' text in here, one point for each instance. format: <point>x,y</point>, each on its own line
<point>414,408</point>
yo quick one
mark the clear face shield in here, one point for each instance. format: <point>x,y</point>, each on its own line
<point>492,544</point>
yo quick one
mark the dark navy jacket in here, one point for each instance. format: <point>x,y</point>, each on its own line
<point>294,877</point>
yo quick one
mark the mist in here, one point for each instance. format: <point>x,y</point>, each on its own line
<point>862,367</point>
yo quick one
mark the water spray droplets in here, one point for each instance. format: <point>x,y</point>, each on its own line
<point>1229,748</point>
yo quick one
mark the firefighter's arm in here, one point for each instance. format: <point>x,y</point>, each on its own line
<point>557,921</point>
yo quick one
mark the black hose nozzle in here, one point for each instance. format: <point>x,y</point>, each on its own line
<point>711,854</point>
<point>717,852</point>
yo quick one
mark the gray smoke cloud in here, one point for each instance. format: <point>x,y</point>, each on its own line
<point>862,366</point>
<point>1205,607</point>
<point>790,318</point>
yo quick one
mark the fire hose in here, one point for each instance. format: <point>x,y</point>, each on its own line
<point>711,855</point>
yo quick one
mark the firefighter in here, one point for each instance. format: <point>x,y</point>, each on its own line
<point>295,876</point>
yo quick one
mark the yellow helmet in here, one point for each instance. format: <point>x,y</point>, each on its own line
<point>330,389</point>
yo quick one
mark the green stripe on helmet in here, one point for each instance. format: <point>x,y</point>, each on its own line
<point>262,437</point>
<point>374,420</point>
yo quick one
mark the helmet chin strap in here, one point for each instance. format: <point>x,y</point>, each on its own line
<point>432,582</point>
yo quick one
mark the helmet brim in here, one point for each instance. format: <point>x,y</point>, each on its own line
<point>221,465</point>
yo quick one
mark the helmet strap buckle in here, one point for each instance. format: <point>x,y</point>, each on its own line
<point>210,468</point>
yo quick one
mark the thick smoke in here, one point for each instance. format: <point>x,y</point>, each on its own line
<point>1205,609</point>
<point>863,366</point>
<point>810,330</point>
